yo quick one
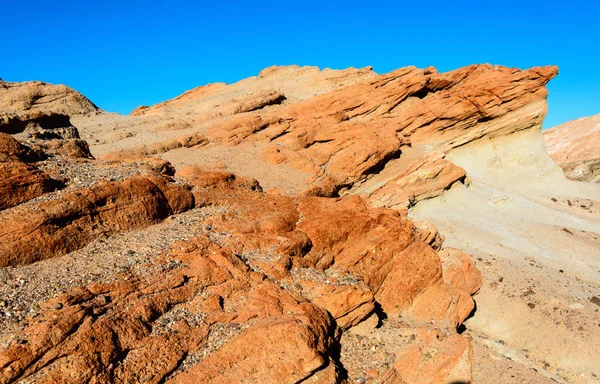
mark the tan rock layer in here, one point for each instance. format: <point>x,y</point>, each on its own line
<point>575,146</point>
<point>584,170</point>
<point>577,140</point>
<point>36,96</point>
<point>130,154</point>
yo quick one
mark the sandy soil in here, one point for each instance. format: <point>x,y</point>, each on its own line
<point>536,238</point>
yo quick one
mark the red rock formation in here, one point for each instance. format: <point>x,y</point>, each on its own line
<point>344,138</point>
<point>422,180</point>
<point>289,276</point>
<point>407,106</point>
<point>121,332</point>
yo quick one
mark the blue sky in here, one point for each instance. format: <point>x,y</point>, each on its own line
<point>122,54</point>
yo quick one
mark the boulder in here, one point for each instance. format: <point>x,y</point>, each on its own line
<point>20,180</point>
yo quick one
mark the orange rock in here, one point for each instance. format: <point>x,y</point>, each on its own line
<point>125,332</point>
<point>285,324</point>
<point>216,179</point>
<point>442,360</point>
<point>426,178</point>
<point>429,234</point>
<point>351,132</point>
<point>11,149</point>
<point>344,136</point>
<point>63,225</point>
<point>374,245</point>
<point>348,304</point>
<point>20,182</point>
<point>459,271</point>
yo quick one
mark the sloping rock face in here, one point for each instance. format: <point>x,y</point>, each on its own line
<point>60,226</point>
<point>575,146</point>
<point>326,136</point>
<point>36,96</point>
<point>343,141</point>
<point>273,86</point>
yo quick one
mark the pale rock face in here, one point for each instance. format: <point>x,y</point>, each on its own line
<point>575,146</point>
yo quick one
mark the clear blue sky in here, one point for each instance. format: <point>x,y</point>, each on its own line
<point>122,54</point>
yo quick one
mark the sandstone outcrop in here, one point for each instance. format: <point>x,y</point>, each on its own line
<point>19,179</point>
<point>575,146</point>
<point>142,330</point>
<point>37,97</point>
<point>345,139</point>
<point>409,106</point>
<point>40,114</point>
<point>63,225</point>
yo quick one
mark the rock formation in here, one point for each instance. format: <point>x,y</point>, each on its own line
<point>264,231</point>
<point>36,96</point>
<point>575,146</point>
<point>19,179</point>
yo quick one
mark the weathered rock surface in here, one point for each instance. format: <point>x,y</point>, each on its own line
<point>38,97</point>
<point>326,136</point>
<point>436,358</point>
<point>575,146</point>
<point>142,330</point>
<point>56,227</point>
<point>39,113</point>
<point>343,141</point>
<point>285,272</point>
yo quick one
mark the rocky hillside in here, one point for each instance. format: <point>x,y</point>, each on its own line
<point>279,229</point>
<point>575,146</point>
